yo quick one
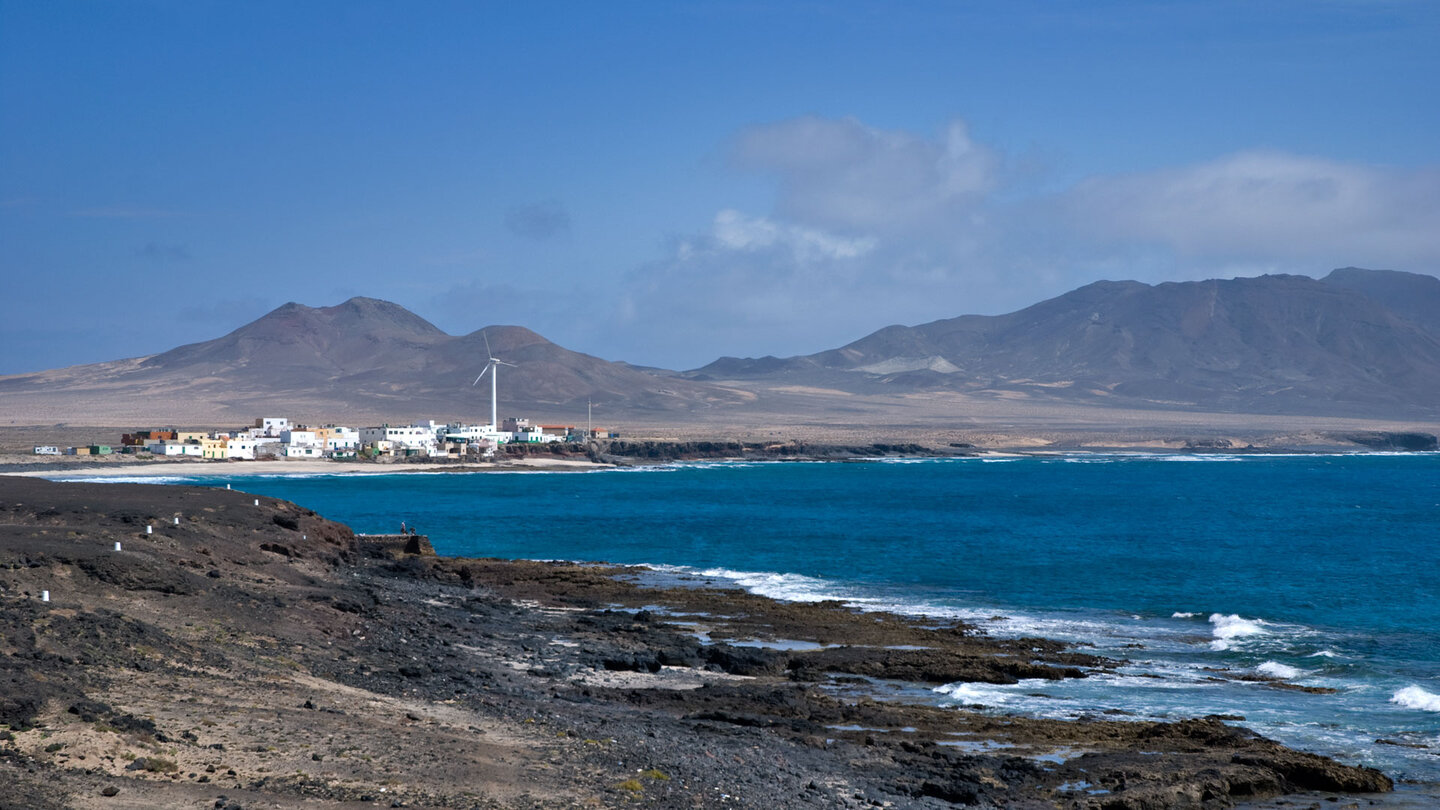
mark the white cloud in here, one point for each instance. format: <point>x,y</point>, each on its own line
<point>735,231</point>
<point>743,286</point>
<point>844,175</point>
<point>1266,207</point>
<point>949,199</point>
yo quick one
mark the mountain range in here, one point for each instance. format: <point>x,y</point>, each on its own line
<point>1354,343</point>
<point>364,358</point>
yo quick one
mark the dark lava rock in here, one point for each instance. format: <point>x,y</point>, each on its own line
<point>1303,771</point>
<point>136,574</point>
<point>1396,441</point>
<point>639,662</point>
<point>926,666</point>
<point>746,660</point>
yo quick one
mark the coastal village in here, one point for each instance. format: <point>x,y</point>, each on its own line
<point>276,437</point>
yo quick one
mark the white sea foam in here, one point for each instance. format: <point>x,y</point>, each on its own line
<point>1112,634</point>
<point>1275,669</point>
<point>1183,615</point>
<point>1413,697</point>
<point>318,476</point>
<point>1325,654</point>
<point>1227,628</point>
<point>1152,678</point>
<point>784,587</point>
<point>122,479</point>
<point>649,468</point>
<point>973,693</point>
<point>1110,458</point>
<point>1232,626</point>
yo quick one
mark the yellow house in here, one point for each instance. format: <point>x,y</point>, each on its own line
<point>189,435</point>
<point>214,448</point>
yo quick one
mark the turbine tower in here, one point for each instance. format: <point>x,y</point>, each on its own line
<point>491,369</point>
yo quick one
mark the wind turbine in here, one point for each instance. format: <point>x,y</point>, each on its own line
<point>491,369</point>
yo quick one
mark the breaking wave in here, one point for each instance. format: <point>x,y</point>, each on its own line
<point>1274,669</point>
<point>1229,628</point>
<point>1413,697</point>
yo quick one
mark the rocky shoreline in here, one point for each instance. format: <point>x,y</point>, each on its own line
<point>245,652</point>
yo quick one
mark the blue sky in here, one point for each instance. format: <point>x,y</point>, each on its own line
<point>665,183</point>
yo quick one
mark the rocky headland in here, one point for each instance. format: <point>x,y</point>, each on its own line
<point>242,651</point>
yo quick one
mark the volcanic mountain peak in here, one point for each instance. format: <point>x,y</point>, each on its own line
<point>357,334</point>
<point>505,339</point>
<point>369,315</point>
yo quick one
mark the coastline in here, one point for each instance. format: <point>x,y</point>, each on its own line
<point>780,440</point>
<point>153,469</point>
<point>559,684</point>
<point>161,469</point>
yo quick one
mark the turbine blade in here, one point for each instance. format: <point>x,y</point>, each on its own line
<point>488,353</point>
<point>482,374</point>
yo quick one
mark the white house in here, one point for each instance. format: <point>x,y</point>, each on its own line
<point>273,425</point>
<point>340,438</point>
<point>303,438</point>
<point>406,437</point>
<point>473,434</point>
<point>166,447</point>
<point>240,447</point>
<point>47,450</point>
<point>302,451</point>
<point>521,430</point>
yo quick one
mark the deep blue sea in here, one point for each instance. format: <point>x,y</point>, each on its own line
<point>1313,570</point>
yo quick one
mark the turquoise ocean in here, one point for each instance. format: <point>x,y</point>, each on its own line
<point>1218,578</point>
